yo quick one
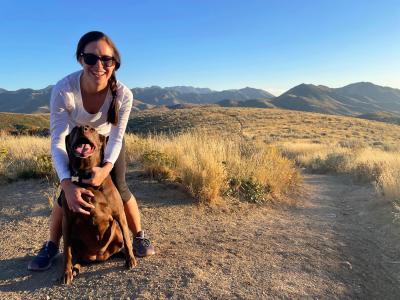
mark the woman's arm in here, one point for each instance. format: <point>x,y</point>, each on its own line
<point>114,143</point>
<point>59,129</point>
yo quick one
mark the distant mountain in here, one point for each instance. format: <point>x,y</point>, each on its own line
<point>156,95</point>
<point>309,97</point>
<point>138,105</point>
<point>372,95</point>
<point>353,99</point>
<point>37,101</point>
<point>256,103</point>
<point>189,90</point>
<point>24,100</point>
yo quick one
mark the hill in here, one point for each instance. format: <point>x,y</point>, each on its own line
<point>178,95</point>
<point>259,103</point>
<point>267,125</point>
<point>37,101</point>
<point>252,123</point>
<point>24,100</point>
<point>35,124</point>
<point>353,99</point>
<point>381,116</point>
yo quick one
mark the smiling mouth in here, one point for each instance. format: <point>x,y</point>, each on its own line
<point>84,149</point>
<point>98,74</point>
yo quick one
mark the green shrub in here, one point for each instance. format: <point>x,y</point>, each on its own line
<point>337,162</point>
<point>158,165</point>
<point>44,165</point>
<point>39,166</point>
<point>3,154</point>
<point>247,189</point>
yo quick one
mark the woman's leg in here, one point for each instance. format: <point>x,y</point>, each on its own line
<point>130,205</point>
<point>132,215</point>
<point>56,224</point>
<point>141,245</point>
<point>43,260</point>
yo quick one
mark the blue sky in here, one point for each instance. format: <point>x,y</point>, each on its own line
<point>273,45</point>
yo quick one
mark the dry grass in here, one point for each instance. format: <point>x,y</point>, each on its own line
<point>365,164</point>
<point>366,149</point>
<point>25,157</point>
<point>270,125</point>
<point>211,167</point>
<point>232,151</point>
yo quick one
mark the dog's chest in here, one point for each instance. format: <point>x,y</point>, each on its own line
<point>93,229</point>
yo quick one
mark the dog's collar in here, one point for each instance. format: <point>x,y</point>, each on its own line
<point>78,176</point>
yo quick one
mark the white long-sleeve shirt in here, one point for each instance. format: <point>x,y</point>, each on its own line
<point>67,111</point>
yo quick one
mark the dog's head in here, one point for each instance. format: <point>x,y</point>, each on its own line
<point>85,148</point>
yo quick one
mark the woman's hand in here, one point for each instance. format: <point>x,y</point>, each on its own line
<point>73,194</point>
<point>98,175</point>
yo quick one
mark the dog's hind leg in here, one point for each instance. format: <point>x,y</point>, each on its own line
<point>130,258</point>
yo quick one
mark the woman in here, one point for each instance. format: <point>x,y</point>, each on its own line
<point>92,97</point>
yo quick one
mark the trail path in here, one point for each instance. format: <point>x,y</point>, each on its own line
<point>337,242</point>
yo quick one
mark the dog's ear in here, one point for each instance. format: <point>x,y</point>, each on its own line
<point>67,146</point>
<point>69,139</point>
<point>103,141</point>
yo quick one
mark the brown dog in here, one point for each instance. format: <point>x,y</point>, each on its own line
<point>97,236</point>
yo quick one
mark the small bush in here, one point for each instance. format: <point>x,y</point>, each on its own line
<point>247,189</point>
<point>352,144</point>
<point>337,162</point>
<point>3,154</point>
<point>158,165</point>
<point>367,172</point>
<point>44,165</point>
<point>317,165</point>
<point>388,184</point>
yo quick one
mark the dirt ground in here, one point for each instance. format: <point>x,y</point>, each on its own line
<point>339,241</point>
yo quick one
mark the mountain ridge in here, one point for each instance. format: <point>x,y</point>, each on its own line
<point>353,99</point>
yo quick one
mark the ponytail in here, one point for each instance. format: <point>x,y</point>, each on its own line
<point>112,115</point>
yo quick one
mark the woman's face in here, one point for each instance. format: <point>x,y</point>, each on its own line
<point>98,74</point>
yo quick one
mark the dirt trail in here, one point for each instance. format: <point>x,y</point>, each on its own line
<point>338,242</point>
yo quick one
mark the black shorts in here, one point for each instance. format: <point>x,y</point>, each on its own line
<point>118,176</point>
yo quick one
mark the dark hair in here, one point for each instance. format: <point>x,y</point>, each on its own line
<point>92,36</point>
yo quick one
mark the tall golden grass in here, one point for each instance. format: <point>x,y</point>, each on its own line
<point>210,167</point>
<point>365,164</point>
<point>25,157</point>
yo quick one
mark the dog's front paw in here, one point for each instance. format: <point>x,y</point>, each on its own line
<point>68,277</point>
<point>131,263</point>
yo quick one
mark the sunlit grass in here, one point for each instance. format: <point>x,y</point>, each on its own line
<point>211,167</point>
<point>365,164</point>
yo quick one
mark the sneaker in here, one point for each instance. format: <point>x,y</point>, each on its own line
<point>142,246</point>
<point>44,258</point>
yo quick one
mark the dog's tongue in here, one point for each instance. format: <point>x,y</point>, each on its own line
<point>83,149</point>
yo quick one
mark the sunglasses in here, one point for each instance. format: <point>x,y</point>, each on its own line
<point>91,59</point>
